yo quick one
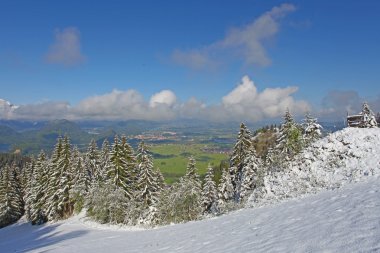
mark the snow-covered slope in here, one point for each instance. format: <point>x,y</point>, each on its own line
<point>344,220</point>
<point>345,156</point>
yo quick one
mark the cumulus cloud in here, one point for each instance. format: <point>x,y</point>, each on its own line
<point>66,48</point>
<point>243,103</point>
<point>125,105</point>
<point>247,42</point>
<point>165,97</point>
<point>246,101</point>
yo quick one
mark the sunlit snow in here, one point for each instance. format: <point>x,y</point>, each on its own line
<point>344,218</point>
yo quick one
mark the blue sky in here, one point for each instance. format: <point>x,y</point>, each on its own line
<point>74,53</point>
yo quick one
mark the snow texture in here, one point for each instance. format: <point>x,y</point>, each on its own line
<point>342,220</point>
<point>341,157</point>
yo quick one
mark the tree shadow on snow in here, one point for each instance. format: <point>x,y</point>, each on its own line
<point>24,237</point>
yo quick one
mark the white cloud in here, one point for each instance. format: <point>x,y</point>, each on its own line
<point>244,103</point>
<point>66,48</point>
<point>165,97</point>
<point>42,111</point>
<point>247,42</point>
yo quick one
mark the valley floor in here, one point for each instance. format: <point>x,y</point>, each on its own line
<point>344,220</point>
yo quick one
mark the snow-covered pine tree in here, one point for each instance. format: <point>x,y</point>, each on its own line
<point>92,161</point>
<point>182,201</point>
<point>239,154</point>
<point>60,204</point>
<point>252,174</point>
<point>147,181</point>
<point>289,141</point>
<point>369,119</point>
<point>67,179</point>
<point>55,173</point>
<point>225,190</point>
<point>117,171</point>
<point>39,181</point>
<point>148,186</point>
<point>161,179</point>
<point>28,184</point>
<point>81,174</point>
<point>81,180</point>
<point>192,173</point>
<point>209,193</point>
<point>104,163</point>
<point>11,202</point>
<point>130,158</point>
<point>312,130</point>
<point>270,157</point>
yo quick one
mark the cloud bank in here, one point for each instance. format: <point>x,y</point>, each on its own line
<point>66,49</point>
<point>247,42</point>
<point>336,104</point>
<point>243,103</point>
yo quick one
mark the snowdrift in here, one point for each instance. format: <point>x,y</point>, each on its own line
<point>345,156</point>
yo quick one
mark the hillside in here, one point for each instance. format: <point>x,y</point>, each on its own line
<point>346,156</point>
<point>345,220</point>
<point>343,169</point>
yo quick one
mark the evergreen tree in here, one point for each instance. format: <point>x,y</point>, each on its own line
<point>225,190</point>
<point>11,202</point>
<point>289,141</point>
<point>117,172</point>
<point>28,184</point>
<point>92,161</point>
<point>81,181</point>
<point>252,174</point>
<point>104,161</point>
<point>209,193</point>
<point>82,176</point>
<point>239,154</point>
<point>312,130</point>
<point>51,197</point>
<point>192,174</point>
<point>60,204</point>
<point>182,201</point>
<point>39,182</point>
<point>369,119</point>
<point>147,184</point>
<point>130,158</point>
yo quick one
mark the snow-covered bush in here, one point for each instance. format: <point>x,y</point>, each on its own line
<point>180,203</point>
<point>107,204</point>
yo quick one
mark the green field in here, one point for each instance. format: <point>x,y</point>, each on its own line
<point>173,158</point>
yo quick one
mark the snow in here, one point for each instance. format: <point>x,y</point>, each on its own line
<point>349,155</point>
<point>346,219</point>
